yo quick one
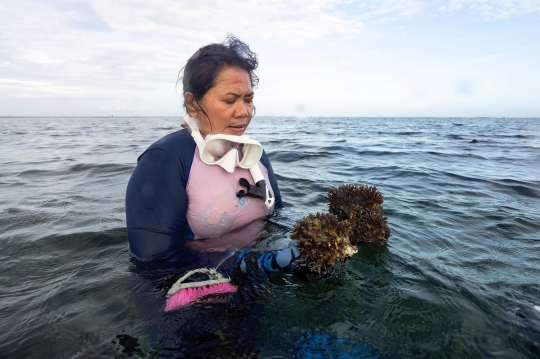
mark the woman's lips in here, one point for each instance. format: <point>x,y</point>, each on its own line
<point>237,129</point>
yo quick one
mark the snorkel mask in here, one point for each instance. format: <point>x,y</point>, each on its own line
<point>226,151</point>
<point>229,152</point>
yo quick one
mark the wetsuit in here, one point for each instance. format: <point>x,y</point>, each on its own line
<point>165,205</point>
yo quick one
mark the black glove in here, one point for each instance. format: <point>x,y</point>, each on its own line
<point>284,261</point>
<point>305,272</point>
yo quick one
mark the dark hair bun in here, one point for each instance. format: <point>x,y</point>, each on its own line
<point>204,66</point>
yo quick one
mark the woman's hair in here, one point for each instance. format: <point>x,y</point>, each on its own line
<point>203,68</point>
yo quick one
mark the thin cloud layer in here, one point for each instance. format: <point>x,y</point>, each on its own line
<point>383,10</point>
<point>279,20</point>
<point>125,52</point>
<point>493,9</point>
<point>103,42</point>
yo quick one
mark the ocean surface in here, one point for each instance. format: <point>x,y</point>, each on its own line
<point>460,277</point>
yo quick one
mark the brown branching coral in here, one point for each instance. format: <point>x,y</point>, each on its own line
<point>322,240</point>
<point>347,201</point>
<point>356,216</point>
<point>362,207</point>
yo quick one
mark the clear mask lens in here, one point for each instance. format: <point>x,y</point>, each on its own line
<point>219,148</point>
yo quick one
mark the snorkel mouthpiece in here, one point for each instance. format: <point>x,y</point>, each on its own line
<point>260,190</point>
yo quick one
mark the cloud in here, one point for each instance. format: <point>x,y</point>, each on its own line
<point>201,21</point>
<point>79,14</point>
<point>489,58</point>
<point>493,9</point>
<point>126,54</point>
<point>40,89</point>
<point>97,43</point>
<point>389,10</point>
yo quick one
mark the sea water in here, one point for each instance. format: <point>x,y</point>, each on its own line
<point>459,278</point>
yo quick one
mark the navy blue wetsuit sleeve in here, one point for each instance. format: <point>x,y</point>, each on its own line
<point>273,181</point>
<point>156,199</point>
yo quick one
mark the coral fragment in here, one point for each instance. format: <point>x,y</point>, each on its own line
<point>322,240</point>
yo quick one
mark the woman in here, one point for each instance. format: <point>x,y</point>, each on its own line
<point>204,180</point>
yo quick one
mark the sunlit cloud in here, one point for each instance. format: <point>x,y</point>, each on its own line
<point>279,20</point>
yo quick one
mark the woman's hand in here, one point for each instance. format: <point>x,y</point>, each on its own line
<point>305,272</point>
<point>284,261</point>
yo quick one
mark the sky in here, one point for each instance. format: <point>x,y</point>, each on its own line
<point>331,58</point>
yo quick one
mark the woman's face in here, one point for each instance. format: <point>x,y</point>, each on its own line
<point>228,104</point>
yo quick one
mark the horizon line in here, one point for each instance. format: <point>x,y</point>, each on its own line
<point>281,116</point>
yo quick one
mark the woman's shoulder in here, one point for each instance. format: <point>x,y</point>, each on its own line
<point>176,139</point>
<point>177,142</point>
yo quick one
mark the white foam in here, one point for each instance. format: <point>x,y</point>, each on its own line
<point>537,308</point>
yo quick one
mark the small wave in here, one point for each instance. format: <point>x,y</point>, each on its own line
<point>338,149</point>
<point>288,157</point>
<point>463,177</point>
<point>408,133</point>
<point>102,147</point>
<point>293,180</point>
<point>525,191</point>
<point>363,152</point>
<point>454,137</point>
<point>523,137</point>
<point>37,173</point>
<point>456,155</point>
<point>527,137</point>
<point>101,168</point>
<point>523,188</point>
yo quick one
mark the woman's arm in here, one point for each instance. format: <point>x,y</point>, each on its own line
<point>156,200</point>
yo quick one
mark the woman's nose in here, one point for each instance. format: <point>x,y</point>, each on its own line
<point>241,109</point>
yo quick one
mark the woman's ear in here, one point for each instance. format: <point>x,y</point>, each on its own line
<point>191,104</point>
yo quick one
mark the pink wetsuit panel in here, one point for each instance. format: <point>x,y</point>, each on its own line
<point>213,208</point>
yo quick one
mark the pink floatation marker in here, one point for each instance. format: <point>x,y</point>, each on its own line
<point>182,294</point>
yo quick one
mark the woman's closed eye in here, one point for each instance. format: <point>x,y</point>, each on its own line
<point>232,101</point>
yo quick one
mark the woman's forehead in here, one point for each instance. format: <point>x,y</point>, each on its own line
<point>233,77</point>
